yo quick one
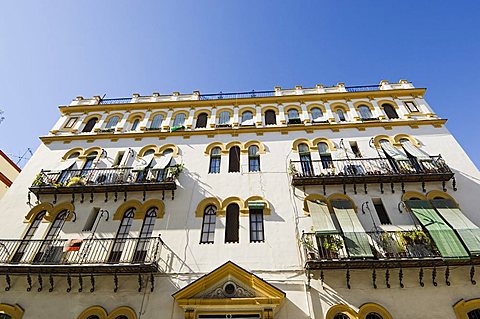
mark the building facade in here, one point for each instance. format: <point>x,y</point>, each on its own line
<point>8,172</point>
<point>327,202</point>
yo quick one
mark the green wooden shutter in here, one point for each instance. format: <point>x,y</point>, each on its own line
<point>356,240</point>
<point>322,220</point>
<point>447,242</point>
<point>469,232</point>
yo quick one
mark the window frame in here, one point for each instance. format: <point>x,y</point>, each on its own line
<point>215,161</point>
<point>253,159</point>
<point>411,107</point>
<point>259,231</point>
<point>232,223</point>
<point>71,121</point>
<point>208,226</point>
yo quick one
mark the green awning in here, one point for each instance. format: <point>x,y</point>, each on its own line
<point>356,240</point>
<point>447,242</point>
<point>256,204</point>
<point>176,128</point>
<point>469,232</point>
<point>321,217</point>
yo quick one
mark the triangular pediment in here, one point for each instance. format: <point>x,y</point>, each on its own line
<point>229,285</point>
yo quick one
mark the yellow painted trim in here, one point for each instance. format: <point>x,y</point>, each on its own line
<point>261,147</point>
<point>234,143</point>
<point>292,106</point>
<point>392,103</point>
<point>339,105</point>
<point>135,115</point>
<point>232,200</point>
<point>72,151</point>
<point>378,138</point>
<point>357,104</point>
<point>316,105</point>
<point>266,209</point>
<point>211,146</point>
<point>200,111</point>
<point>338,309</point>
<point>88,118</point>
<point>270,107</point>
<point>91,150</point>
<point>367,308</point>
<point>411,194</point>
<point>436,193</point>
<point>42,207</point>
<point>335,196</point>
<point>299,141</point>
<point>165,147</point>
<point>398,137</point>
<point>52,214</point>
<point>207,202</point>
<point>120,116</point>
<point>245,109</point>
<point>331,145</point>
<point>217,116</point>
<point>157,203</point>
<point>94,310</point>
<point>184,112</point>
<point>102,313</point>
<point>142,151</point>
<point>312,198</point>
<point>125,311</point>
<point>462,307</point>
<point>16,312</point>
<point>140,208</point>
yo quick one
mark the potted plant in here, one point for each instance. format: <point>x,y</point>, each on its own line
<point>38,181</point>
<point>175,170</point>
<point>76,181</point>
<point>307,243</point>
<point>292,169</point>
<point>333,244</point>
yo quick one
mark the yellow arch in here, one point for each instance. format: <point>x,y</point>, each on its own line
<point>88,118</point>
<point>337,309</point>
<point>233,200</point>
<point>330,144</point>
<point>314,105</point>
<point>338,105</point>
<point>180,112</point>
<point>292,106</point>
<point>211,146</point>
<point>392,103</point>
<point>360,103</point>
<point>136,115</point>
<point>260,145</point>
<point>234,143</point>
<point>90,150</point>
<point>299,141</point>
<point>341,197</point>
<point>436,193</point>
<point>270,107</point>
<point>198,112</point>
<point>224,110</point>
<point>142,151</point>
<point>165,147</point>
<point>57,209</point>
<point>125,311</point>
<point>94,310</point>
<point>378,138</point>
<point>120,115</point>
<point>247,108</point>
<point>398,137</point>
<point>462,307</point>
<point>155,114</point>
<point>410,194</point>
<point>133,203</point>
<point>266,209</point>
<point>30,217</point>
<point>157,203</point>
<point>16,312</point>
<point>207,202</point>
<point>367,308</point>
<point>73,150</point>
<point>313,197</point>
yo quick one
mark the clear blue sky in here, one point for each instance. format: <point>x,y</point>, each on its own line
<point>52,51</point>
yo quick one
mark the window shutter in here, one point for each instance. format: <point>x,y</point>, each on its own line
<point>393,152</point>
<point>415,151</point>
<point>322,220</point>
<point>143,163</point>
<point>201,121</point>
<point>270,118</point>
<point>232,224</point>
<point>234,159</point>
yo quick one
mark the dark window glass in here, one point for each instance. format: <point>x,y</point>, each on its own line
<point>156,122</point>
<point>145,233</point>
<point>253,159</point>
<point>341,316</point>
<point>90,125</point>
<point>390,111</point>
<point>135,124</point>
<point>341,115</point>
<point>208,226</point>
<point>474,314</point>
<point>365,112</point>
<point>373,315</point>
<point>355,149</point>
<point>325,155</point>
<point>121,317</point>
<point>270,117</point>
<point>232,224</point>
<point>202,120</point>
<point>305,159</point>
<point>122,235</point>
<point>49,250</point>
<point>112,122</point>
<point>381,211</point>
<point>28,236</point>
<point>256,225</point>
<point>234,160</point>
<point>88,163</point>
<point>215,158</point>
<point>5,316</point>
<point>93,317</point>
<point>293,117</point>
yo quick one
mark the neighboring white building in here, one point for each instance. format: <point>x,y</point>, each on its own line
<point>8,172</point>
<point>327,202</point>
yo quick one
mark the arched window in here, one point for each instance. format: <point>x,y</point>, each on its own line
<point>253,159</point>
<point>224,119</point>
<point>202,119</point>
<point>317,114</point>
<point>373,315</point>
<point>293,117</point>
<point>215,157</point>
<point>208,225</point>
<point>121,317</point>
<point>50,250</point>
<point>365,113</point>
<point>93,317</point>
<point>270,117</point>
<point>234,160</point>
<point>179,120</point>
<point>305,159</point>
<point>325,155</point>
<point>148,152</point>
<point>135,124</point>
<point>341,316</point>
<point>256,225</point>
<point>156,122</point>
<point>17,257</point>
<point>232,224</point>
<point>5,316</point>
<point>145,233</point>
<point>247,118</point>
<point>390,111</point>
<point>90,124</point>
<point>112,122</point>
<point>74,155</point>
<point>474,314</point>
<point>121,237</point>
<point>88,163</point>
<point>341,115</point>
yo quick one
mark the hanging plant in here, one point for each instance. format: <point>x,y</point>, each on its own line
<point>38,181</point>
<point>175,170</point>
<point>76,181</point>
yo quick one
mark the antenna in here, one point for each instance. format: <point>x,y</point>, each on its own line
<point>23,156</point>
<point>1,117</point>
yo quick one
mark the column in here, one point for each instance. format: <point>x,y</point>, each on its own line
<point>378,110</point>
<point>59,124</point>
<point>213,117</point>
<point>401,110</point>
<point>168,119</point>
<point>189,121</point>
<point>353,112</point>
<point>144,122</point>
<point>258,119</point>
<point>100,122</point>
<point>328,111</point>
<point>121,124</point>
<point>281,114</point>
<point>235,116</point>
<point>304,117</point>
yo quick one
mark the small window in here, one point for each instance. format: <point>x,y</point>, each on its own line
<point>256,225</point>
<point>390,111</point>
<point>156,122</point>
<point>232,224</point>
<point>135,124</point>
<point>179,120</point>
<point>234,160</point>
<point>90,125</point>
<point>224,118</point>
<point>341,115</point>
<point>208,225</point>
<point>270,117</point>
<point>355,149</point>
<point>365,113</point>
<point>293,117</point>
<point>411,107</point>
<point>112,122</point>
<point>253,159</point>
<point>247,118</point>
<point>71,122</point>
<point>122,235</point>
<point>91,219</point>
<point>317,114</point>
<point>381,211</point>
<point>202,120</point>
<point>215,158</point>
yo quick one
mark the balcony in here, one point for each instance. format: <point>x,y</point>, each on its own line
<point>368,170</point>
<point>92,255</point>
<point>100,180</point>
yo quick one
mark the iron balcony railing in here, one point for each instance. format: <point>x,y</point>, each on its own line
<point>362,88</point>
<point>236,95</point>
<point>82,252</point>
<point>103,178</point>
<point>120,100</point>
<point>338,171</point>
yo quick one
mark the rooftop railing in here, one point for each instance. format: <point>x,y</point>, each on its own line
<point>236,95</point>
<point>362,88</point>
<point>120,100</point>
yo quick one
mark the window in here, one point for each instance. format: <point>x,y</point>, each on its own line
<point>5,316</point>
<point>365,113</point>
<point>317,114</point>
<point>202,120</point>
<point>121,317</point>
<point>50,250</point>
<point>474,314</point>
<point>341,316</point>
<point>121,237</point>
<point>208,225</point>
<point>390,111</point>
<point>325,155</point>
<point>90,125</point>
<point>253,159</point>
<point>373,315</point>
<point>305,159</point>
<point>92,218</point>
<point>71,122</point>
<point>112,122</point>
<point>156,122</point>
<point>341,115</point>
<point>293,117</point>
<point>88,163</point>
<point>381,211</point>
<point>215,157</point>
<point>93,317</point>
<point>224,119</point>
<point>179,120</point>
<point>234,160</point>
<point>247,118</point>
<point>256,225</point>
<point>119,158</point>
<point>145,233</point>
<point>270,117</point>
<point>148,152</point>
<point>232,224</point>
<point>411,107</point>
<point>135,124</point>
<point>355,149</point>
<point>28,236</point>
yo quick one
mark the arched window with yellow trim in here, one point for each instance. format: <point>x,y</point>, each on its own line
<point>325,156</point>
<point>90,125</point>
<point>270,117</point>
<point>253,159</point>
<point>215,158</point>
<point>341,115</point>
<point>232,223</point>
<point>317,114</point>
<point>156,123</point>
<point>17,257</point>
<point>305,159</point>
<point>247,118</point>
<point>341,316</point>
<point>202,120</point>
<point>51,250</point>
<point>224,119</point>
<point>179,120</point>
<point>293,117</point>
<point>145,233</point>
<point>89,161</point>
<point>373,315</point>
<point>135,124</point>
<point>112,122</point>
<point>365,113</point>
<point>208,225</point>
<point>390,111</point>
<point>122,235</point>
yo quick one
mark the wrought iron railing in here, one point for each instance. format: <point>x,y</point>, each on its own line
<point>236,95</point>
<point>362,88</point>
<point>361,167</point>
<point>91,251</point>
<point>120,100</point>
<point>385,245</point>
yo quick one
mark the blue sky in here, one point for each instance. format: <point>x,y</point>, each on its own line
<point>52,51</point>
